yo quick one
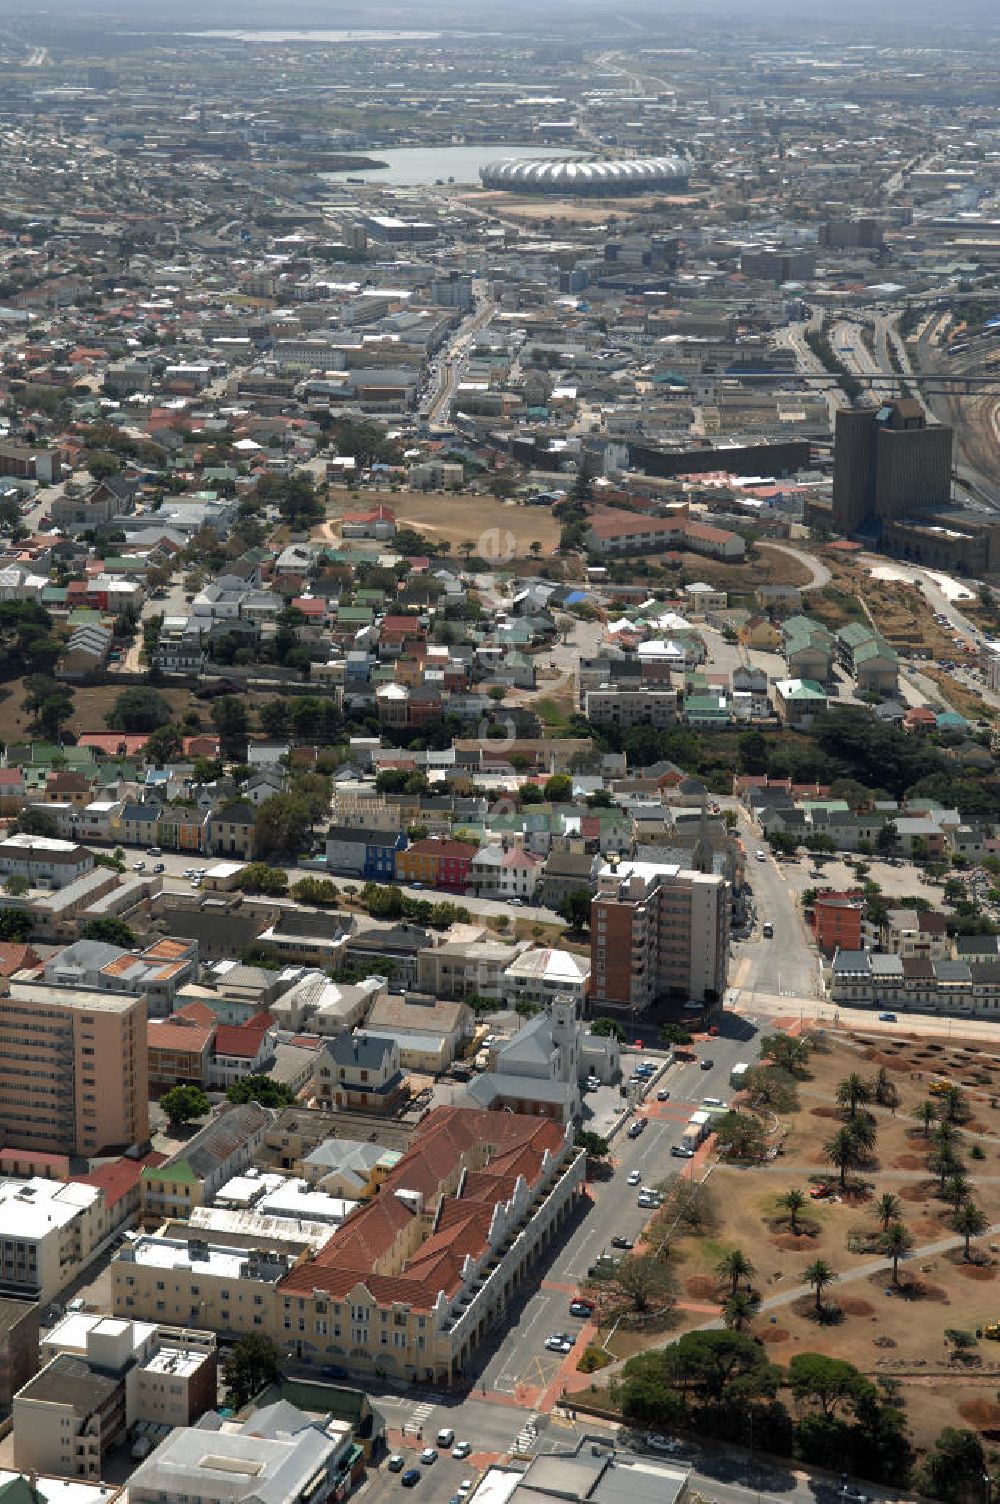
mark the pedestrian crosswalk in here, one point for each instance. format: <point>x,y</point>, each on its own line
<point>420,1415</point>
<point>527,1437</point>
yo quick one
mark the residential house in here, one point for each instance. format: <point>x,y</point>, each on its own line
<point>436,863</point>
<point>231,830</point>
<point>366,851</point>
<point>195,1172</point>
<point>359,1072</point>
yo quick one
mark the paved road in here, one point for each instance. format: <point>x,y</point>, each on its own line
<point>820,575</point>
<point>785,965</point>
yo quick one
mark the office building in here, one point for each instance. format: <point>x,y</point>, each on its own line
<point>657,930</point>
<point>888,464</point>
<point>73,1077</point>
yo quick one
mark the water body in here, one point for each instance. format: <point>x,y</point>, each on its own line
<point>316,36</point>
<point>417,166</point>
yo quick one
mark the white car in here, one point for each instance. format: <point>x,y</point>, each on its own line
<point>759,856</point>
<point>559,1342</point>
<point>634,1177</point>
<point>428,1456</point>
<point>138,866</point>
<point>593,1082</point>
<point>658,1443</point>
<point>461,1450</point>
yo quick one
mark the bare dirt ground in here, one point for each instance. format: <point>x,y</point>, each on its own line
<point>454,519</point>
<point>894,1331</point>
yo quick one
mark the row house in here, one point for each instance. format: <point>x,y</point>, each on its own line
<point>436,863</point>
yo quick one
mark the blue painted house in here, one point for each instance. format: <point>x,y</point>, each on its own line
<point>364,851</point>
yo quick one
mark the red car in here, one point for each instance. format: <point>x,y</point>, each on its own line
<point>817,1192</point>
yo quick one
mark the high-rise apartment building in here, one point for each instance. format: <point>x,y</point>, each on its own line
<point>73,1076</point>
<point>887,464</point>
<point>657,929</point>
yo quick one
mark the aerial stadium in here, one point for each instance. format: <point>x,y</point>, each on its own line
<point>581,176</point>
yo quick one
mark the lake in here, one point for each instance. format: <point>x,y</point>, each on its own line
<point>416,166</point>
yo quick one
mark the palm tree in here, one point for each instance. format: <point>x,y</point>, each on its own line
<point>943,1163</point>
<point>956,1189</point>
<point>863,1130</point>
<point>738,1311</point>
<point>793,1201</point>
<point>952,1101</point>
<point>894,1242</point>
<point>734,1267</point>
<point>927,1112</point>
<point>884,1089</point>
<point>842,1151</point>
<point>887,1209</point>
<point>970,1221</point>
<point>943,1136</point>
<point>852,1091</point>
<point>819,1275</point>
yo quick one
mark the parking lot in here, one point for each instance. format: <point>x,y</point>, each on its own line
<point>437,1483</point>
<point>905,881</point>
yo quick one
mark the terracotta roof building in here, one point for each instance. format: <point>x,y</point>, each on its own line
<point>413,1280</point>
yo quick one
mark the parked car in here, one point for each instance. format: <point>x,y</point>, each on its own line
<point>887,1018</point>
<point>138,866</point>
<point>446,1437</point>
<point>659,1443</point>
<point>634,1129</point>
<point>159,867</point>
<point>578,1307</point>
<point>634,1177</point>
<point>397,1462</point>
<point>461,1450</point>
<point>707,1065</point>
<point>663,1095</point>
<point>620,1242</point>
<point>410,1478</point>
<point>428,1456</point>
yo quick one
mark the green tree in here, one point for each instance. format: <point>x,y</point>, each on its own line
<point>886,839</point>
<point>559,788</point>
<point>955,1189</point>
<point>927,1114</point>
<point>789,1054</point>
<point>953,1104</point>
<point>36,820</point>
<point>574,907</point>
<point>740,1135</point>
<point>252,1365</point>
<point>719,1366</point>
<point>793,1201</point>
<point>50,704</point>
<point>830,1383</point>
<point>884,1090</point>
<point>15,926</point>
<point>852,1092</point>
<point>594,1144</point>
<point>887,1209</point>
<point>734,1268</point>
<point>111,931</point>
<point>955,1469</point>
<point>261,1089</point>
<point>894,1243</point>
<point>738,1311</point>
<point>842,1151</point>
<point>752,752</point>
<point>640,1284</point>
<point>282,825</point>
<point>821,1276</point>
<point>607,1028</point>
<point>229,717</point>
<point>164,745</point>
<point>317,890</point>
<point>258,877</point>
<point>138,709</point>
<point>183,1104</point>
<point>971,1222</point>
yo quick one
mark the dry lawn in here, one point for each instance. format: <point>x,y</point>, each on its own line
<point>898,610</point>
<point>898,1332</point>
<point>91,704</point>
<point>460,518</point>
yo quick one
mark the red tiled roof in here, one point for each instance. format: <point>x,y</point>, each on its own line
<point>16,957</point>
<point>242,1039</point>
<point>450,1139</point>
<point>120,1176</point>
